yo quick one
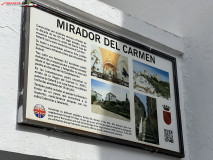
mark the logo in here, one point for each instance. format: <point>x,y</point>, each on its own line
<point>39,111</point>
<point>167,115</point>
<point>10,3</point>
<point>18,3</point>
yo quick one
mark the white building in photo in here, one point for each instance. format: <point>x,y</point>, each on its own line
<point>110,97</point>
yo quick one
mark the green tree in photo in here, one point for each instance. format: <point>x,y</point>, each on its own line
<point>93,98</point>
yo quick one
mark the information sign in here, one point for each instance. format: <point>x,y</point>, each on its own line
<point>78,78</point>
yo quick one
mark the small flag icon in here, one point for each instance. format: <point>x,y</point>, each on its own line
<point>39,111</point>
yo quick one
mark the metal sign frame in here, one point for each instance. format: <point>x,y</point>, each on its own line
<point>23,77</point>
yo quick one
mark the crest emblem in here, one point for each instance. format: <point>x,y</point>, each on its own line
<point>167,115</point>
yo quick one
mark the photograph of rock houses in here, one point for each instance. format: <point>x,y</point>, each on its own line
<point>151,80</point>
<point>146,121</point>
<point>109,66</point>
<point>110,100</point>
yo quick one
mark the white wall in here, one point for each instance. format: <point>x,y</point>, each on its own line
<point>191,19</point>
<point>40,142</point>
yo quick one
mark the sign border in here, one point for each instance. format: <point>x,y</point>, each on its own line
<point>23,74</point>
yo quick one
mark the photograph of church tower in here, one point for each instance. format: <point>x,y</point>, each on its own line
<point>109,66</point>
<point>151,80</point>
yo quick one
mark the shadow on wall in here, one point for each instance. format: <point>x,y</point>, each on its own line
<point>16,156</point>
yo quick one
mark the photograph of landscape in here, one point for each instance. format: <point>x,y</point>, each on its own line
<point>146,121</point>
<point>111,101</point>
<point>109,66</point>
<point>151,80</point>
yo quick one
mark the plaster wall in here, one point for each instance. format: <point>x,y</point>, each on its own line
<point>54,145</point>
<point>192,20</point>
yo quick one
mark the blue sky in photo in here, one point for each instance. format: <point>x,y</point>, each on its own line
<point>103,89</point>
<point>140,67</point>
<point>143,99</point>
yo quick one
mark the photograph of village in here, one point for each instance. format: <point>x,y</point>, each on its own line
<point>151,80</point>
<point>109,66</point>
<point>146,122</point>
<point>111,101</point>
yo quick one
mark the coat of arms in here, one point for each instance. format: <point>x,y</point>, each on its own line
<point>167,115</point>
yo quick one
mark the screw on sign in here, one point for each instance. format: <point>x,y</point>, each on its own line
<point>39,111</point>
<point>30,4</point>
